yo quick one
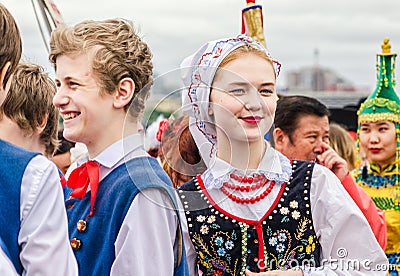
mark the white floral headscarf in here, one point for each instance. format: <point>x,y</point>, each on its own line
<point>197,72</point>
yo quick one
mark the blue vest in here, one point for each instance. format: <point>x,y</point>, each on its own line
<point>115,194</point>
<point>66,190</point>
<point>13,162</point>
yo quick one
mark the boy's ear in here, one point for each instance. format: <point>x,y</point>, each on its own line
<point>43,124</point>
<point>124,94</point>
<point>3,74</point>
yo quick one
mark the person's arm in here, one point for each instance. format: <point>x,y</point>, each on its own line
<point>374,215</point>
<point>6,266</point>
<point>43,236</point>
<point>146,240</point>
<point>342,230</point>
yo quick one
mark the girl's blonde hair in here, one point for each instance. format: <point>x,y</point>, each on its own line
<point>341,142</point>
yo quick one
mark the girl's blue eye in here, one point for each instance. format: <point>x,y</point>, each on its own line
<point>266,91</point>
<point>237,91</point>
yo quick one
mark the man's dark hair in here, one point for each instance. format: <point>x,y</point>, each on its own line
<point>290,109</point>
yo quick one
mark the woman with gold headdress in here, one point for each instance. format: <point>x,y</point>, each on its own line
<point>378,136</point>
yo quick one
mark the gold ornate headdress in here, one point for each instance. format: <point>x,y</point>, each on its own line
<point>252,22</point>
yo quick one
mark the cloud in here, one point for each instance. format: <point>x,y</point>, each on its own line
<point>348,34</point>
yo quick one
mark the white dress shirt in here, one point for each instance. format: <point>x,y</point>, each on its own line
<point>43,235</point>
<point>340,226</point>
<point>146,240</point>
<point>6,266</point>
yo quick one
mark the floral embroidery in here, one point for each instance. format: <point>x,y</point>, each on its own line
<point>221,251</point>
<point>204,229</point>
<point>311,245</point>
<point>280,248</point>
<point>273,241</point>
<point>209,223</point>
<point>219,241</point>
<point>284,210</point>
<point>211,219</point>
<point>282,237</point>
<point>296,215</point>
<point>294,204</point>
<point>229,245</point>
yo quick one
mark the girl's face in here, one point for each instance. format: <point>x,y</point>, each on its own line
<point>243,99</point>
<point>378,141</point>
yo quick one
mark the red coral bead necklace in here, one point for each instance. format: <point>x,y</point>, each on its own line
<point>251,183</point>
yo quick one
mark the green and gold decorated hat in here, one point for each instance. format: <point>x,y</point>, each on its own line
<point>383,104</point>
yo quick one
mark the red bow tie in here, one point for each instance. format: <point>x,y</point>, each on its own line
<point>81,177</point>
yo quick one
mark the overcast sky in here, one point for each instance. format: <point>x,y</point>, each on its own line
<point>347,33</point>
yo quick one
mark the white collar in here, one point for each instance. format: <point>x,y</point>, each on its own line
<point>273,165</point>
<point>113,154</point>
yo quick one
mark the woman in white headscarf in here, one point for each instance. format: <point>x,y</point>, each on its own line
<point>253,209</point>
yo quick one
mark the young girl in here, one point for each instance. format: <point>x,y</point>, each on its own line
<point>253,209</point>
<point>379,139</point>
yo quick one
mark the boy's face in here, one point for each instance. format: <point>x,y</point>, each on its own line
<point>88,115</point>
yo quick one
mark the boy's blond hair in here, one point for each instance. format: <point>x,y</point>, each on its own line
<point>29,101</point>
<point>11,45</point>
<point>118,52</point>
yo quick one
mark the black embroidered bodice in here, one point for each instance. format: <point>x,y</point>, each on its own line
<point>227,245</point>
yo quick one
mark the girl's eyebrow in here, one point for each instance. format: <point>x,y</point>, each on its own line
<point>247,84</point>
<point>377,124</point>
<point>382,124</point>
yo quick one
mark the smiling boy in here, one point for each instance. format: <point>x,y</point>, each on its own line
<point>121,216</point>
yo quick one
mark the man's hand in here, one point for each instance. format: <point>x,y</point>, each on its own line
<point>330,159</point>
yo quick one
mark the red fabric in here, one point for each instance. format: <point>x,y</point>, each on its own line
<point>62,180</point>
<point>260,238</point>
<point>162,127</point>
<point>80,178</point>
<point>374,215</point>
<point>353,134</point>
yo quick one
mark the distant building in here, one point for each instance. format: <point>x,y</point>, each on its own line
<point>317,78</point>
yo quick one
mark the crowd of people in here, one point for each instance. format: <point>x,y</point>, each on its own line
<point>216,197</point>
